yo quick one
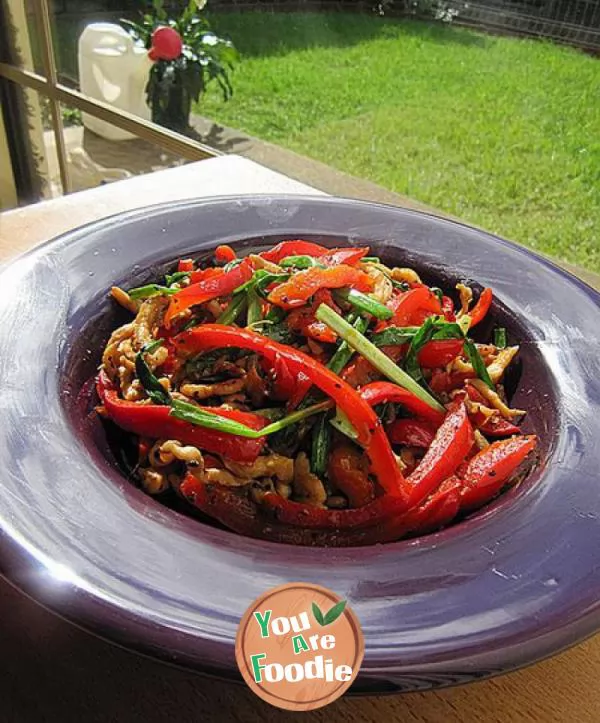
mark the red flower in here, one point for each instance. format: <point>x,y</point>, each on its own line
<point>166,44</point>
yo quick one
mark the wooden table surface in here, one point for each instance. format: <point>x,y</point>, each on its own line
<point>53,671</point>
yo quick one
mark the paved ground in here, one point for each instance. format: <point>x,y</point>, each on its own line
<point>138,156</point>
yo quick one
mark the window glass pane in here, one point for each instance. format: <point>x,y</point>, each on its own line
<point>22,46</point>
<point>99,152</point>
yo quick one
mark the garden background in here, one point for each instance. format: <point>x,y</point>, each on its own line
<point>499,129</point>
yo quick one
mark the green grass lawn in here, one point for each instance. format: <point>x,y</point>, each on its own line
<point>503,133</point>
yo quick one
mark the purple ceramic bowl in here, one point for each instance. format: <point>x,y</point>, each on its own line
<point>516,582</point>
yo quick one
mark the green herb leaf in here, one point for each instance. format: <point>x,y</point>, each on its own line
<point>344,425</point>
<point>233,310</point>
<point>374,355</point>
<point>148,380</point>
<point>266,280</point>
<point>201,365</point>
<point>365,303</point>
<point>320,444</point>
<point>334,613</point>
<point>299,262</point>
<point>371,260</point>
<point>275,314</point>
<point>345,352</point>
<point>432,329</point>
<point>190,413</point>
<point>316,610</point>
<point>278,332</point>
<point>254,307</point>
<point>478,363</point>
<point>394,335</point>
<point>232,264</point>
<point>252,281</point>
<point>176,277</point>
<point>438,292</point>
<point>500,338</point>
<point>145,292</point>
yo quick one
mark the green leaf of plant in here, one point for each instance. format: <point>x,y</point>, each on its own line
<point>318,614</point>
<point>332,615</point>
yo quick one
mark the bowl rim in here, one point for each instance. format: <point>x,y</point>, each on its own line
<point>27,567</point>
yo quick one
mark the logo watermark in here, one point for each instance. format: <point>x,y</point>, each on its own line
<point>299,646</point>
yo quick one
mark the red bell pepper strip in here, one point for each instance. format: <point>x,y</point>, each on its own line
<point>350,257</point>
<point>437,510</point>
<point>234,510</point>
<point>303,321</point>
<point>497,426</point>
<point>209,288</point>
<point>411,308</point>
<point>203,274</point>
<point>224,254</point>
<point>304,284</point>
<point>185,265</point>
<point>302,515</point>
<point>411,432</point>
<point>451,444</point>
<point>440,508</point>
<point>489,470</point>
<point>293,248</point>
<point>494,426</point>
<point>364,420</point>
<point>481,308</point>
<point>154,421</point>
<point>287,385</point>
<point>439,353</point>
<point>380,392</point>
<point>442,381</point>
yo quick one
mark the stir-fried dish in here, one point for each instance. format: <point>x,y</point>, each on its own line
<point>313,396</point>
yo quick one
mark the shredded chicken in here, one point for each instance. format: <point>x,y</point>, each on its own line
<point>465,294</point>
<point>219,389</point>
<point>487,351</point>
<point>480,440</point>
<point>308,488</point>
<point>111,358</point>
<point>223,477</point>
<point>153,481</point>
<point>494,399</point>
<point>123,298</point>
<point>272,465</point>
<point>260,263</point>
<point>149,316</point>
<point>408,276</point>
<point>475,407</point>
<point>383,287</point>
<point>497,368</point>
<point>284,490</point>
<point>171,450</point>
<point>214,308</point>
<point>461,366</point>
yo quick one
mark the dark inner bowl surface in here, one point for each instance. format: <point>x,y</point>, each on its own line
<point>528,381</point>
<point>510,585</point>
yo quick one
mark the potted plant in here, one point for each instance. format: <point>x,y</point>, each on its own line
<point>187,55</point>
